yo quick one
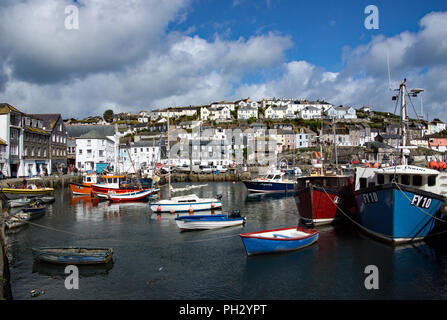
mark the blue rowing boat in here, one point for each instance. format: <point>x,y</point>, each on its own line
<point>278,240</point>
<point>72,255</point>
<point>213,221</point>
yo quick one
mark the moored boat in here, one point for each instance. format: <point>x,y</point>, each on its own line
<point>115,183</point>
<point>22,202</point>
<point>401,203</point>
<point>321,197</point>
<point>270,183</point>
<point>278,240</point>
<point>204,222</point>
<point>31,191</point>
<point>84,188</point>
<point>72,255</point>
<point>128,196</point>
<point>186,203</point>
<point>17,220</point>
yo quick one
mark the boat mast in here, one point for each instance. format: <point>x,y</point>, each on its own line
<point>169,163</point>
<point>133,165</point>
<point>335,144</point>
<point>403,122</point>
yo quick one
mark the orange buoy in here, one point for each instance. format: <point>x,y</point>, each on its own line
<point>212,205</point>
<point>442,165</point>
<point>433,165</point>
<point>159,208</point>
<point>191,210</point>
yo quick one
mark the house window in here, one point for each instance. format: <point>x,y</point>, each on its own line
<point>80,151</point>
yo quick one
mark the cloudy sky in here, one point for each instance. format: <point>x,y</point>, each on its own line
<point>132,55</point>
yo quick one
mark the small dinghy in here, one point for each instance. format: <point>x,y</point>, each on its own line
<point>36,210</point>
<point>48,199</point>
<point>17,220</point>
<point>186,203</point>
<point>278,240</point>
<point>19,202</point>
<point>128,196</point>
<point>214,221</point>
<point>72,255</point>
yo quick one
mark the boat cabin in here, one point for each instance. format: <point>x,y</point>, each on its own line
<point>112,181</point>
<point>90,179</point>
<point>333,182</point>
<point>410,176</point>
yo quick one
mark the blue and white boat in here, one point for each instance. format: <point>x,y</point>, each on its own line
<point>205,222</point>
<point>278,240</point>
<point>187,203</point>
<point>270,183</point>
<point>72,255</point>
<point>401,203</point>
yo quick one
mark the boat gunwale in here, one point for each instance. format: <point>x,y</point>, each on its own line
<point>310,233</point>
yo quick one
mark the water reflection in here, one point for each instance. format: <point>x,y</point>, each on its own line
<point>58,271</point>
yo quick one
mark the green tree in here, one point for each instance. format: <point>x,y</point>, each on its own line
<point>108,115</point>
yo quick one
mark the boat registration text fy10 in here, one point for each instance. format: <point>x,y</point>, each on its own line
<point>227,309</point>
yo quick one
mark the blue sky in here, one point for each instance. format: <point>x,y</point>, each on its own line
<point>319,29</point>
<point>131,55</point>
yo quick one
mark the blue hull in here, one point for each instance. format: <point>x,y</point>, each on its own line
<point>256,245</point>
<point>400,216</point>
<point>258,186</point>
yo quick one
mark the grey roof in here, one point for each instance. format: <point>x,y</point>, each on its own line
<point>93,135</point>
<point>49,119</point>
<point>146,143</point>
<point>76,131</point>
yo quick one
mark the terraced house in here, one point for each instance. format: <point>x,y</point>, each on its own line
<point>55,127</point>
<point>35,155</point>
<point>26,141</point>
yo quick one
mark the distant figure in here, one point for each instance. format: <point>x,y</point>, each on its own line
<point>25,183</point>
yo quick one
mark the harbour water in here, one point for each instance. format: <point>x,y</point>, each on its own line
<point>153,260</point>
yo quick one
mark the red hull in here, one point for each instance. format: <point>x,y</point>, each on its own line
<point>318,206</point>
<point>97,189</point>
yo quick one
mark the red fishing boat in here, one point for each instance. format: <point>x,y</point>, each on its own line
<point>116,185</point>
<point>323,198</point>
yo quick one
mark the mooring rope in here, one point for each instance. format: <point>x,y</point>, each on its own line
<point>377,234</point>
<point>122,240</point>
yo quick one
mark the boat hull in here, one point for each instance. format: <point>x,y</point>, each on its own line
<point>96,189</point>
<point>159,207</point>
<point>127,197</point>
<point>12,193</point>
<point>399,214</point>
<point>80,189</point>
<point>205,222</point>
<point>269,187</point>
<point>265,242</point>
<point>67,256</point>
<point>322,200</point>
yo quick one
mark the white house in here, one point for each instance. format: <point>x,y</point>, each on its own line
<point>435,126</point>
<point>310,112</point>
<point>144,154</point>
<point>341,113</point>
<point>285,112</point>
<point>94,152</point>
<point>247,112</point>
<point>303,139</point>
<point>215,113</point>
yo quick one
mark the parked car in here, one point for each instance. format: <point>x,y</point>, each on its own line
<point>205,169</point>
<point>219,169</point>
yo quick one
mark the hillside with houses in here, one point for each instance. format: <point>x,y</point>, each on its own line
<point>230,134</point>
